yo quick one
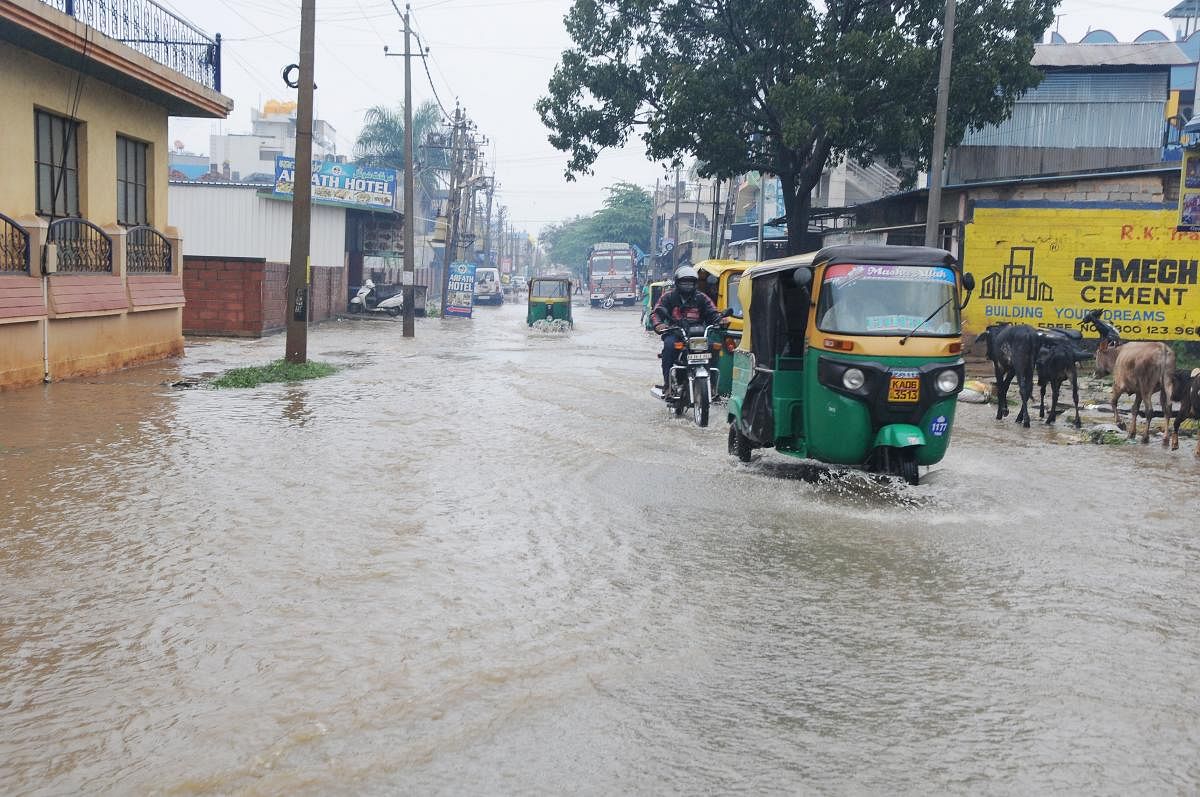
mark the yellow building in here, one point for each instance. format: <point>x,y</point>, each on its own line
<point>90,273</point>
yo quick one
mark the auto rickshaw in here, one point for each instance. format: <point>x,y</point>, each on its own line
<point>549,300</point>
<point>850,356</point>
<point>719,279</point>
<point>651,293</point>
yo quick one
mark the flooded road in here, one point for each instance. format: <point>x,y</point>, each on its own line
<point>487,561</point>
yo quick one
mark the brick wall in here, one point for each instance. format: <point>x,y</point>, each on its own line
<point>248,296</point>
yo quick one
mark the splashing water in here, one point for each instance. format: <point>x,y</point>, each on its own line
<point>554,326</point>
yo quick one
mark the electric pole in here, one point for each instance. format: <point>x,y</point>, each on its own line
<point>653,229</point>
<point>409,279</point>
<point>298,266</point>
<point>675,226</point>
<point>933,214</point>
<point>487,228</point>
<point>448,255</point>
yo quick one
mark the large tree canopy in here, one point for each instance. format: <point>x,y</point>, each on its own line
<point>625,218</point>
<point>781,87</point>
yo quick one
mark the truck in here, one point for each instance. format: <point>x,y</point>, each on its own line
<point>612,274</point>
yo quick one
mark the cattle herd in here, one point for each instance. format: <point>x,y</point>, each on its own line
<point>1140,368</point>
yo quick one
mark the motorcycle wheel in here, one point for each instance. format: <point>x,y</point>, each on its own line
<point>700,407</point>
<point>394,311</point>
<point>608,304</point>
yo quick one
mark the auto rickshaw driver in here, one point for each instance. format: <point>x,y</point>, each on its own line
<point>684,304</point>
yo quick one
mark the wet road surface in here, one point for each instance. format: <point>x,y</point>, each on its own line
<point>487,561</point>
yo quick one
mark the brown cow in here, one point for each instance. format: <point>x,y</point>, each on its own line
<point>1186,390</point>
<point>1142,369</point>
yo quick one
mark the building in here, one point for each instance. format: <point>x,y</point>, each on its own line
<point>90,271</point>
<point>250,157</point>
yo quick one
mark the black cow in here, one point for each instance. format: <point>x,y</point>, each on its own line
<point>1185,388</point>
<point>1013,350</point>
<point>1057,356</point>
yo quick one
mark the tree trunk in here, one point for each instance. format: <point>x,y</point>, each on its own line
<point>797,203</point>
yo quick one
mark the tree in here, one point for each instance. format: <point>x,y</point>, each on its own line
<point>381,143</point>
<point>785,88</point>
<point>624,217</point>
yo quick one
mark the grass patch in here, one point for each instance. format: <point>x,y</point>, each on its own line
<point>278,371</point>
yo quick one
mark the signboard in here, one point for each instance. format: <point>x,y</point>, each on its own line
<point>460,290</point>
<point>1189,192</point>
<point>345,184</point>
<point>1048,266</point>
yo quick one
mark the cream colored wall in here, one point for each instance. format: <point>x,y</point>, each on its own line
<point>28,81</point>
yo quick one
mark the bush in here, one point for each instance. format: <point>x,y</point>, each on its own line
<point>278,371</point>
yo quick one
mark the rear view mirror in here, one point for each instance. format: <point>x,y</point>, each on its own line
<point>802,276</point>
<point>968,281</point>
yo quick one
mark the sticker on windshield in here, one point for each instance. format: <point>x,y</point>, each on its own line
<point>845,273</point>
<point>892,323</point>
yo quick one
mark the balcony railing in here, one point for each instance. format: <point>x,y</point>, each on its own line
<point>83,248</point>
<point>14,247</point>
<point>154,32</point>
<point>147,251</point>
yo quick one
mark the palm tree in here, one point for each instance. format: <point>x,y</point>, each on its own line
<point>381,143</point>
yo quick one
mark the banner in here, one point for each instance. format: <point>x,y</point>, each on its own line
<point>345,184</point>
<point>1189,192</point>
<point>460,290</point>
<point>1048,266</point>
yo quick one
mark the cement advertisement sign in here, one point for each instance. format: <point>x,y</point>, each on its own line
<point>1048,266</point>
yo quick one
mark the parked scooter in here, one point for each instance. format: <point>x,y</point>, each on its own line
<point>692,383</point>
<point>367,301</point>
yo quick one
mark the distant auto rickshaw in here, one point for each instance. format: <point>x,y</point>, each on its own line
<point>720,280</point>
<point>850,356</point>
<point>549,300</point>
<point>651,293</point>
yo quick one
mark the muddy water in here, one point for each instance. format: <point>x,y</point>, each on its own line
<point>486,561</point>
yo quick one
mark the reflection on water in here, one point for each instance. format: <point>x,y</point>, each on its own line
<point>485,560</point>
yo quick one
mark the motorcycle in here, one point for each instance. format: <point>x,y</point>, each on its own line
<point>692,383</point>
<point>367,301</point>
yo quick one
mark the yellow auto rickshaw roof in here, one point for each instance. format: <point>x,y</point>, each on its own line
<point>719,267</point>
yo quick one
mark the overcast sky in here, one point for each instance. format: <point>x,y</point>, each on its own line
<point>493,56</point>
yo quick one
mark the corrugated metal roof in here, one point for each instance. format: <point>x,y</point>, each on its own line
<point>1099,87</point>
<point>1162,54</point>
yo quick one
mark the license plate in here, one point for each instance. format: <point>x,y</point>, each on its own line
<point>699,358</point>
<point>903,390</point>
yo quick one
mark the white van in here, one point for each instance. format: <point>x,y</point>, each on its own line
<point>487,286</point>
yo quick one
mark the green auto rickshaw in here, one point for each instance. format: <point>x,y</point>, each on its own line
<point>851,356</point>
<point>720,279</point>
<point>651,293</point>
<point>549,300</point>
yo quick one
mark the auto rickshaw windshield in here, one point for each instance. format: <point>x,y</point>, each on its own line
<point>548,289</point>
<point>888,300</point>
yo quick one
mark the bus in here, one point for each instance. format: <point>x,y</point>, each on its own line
<point>612,273</point>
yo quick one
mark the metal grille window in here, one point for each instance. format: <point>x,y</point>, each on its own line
<point>131,181</point>
<point>56,161</point>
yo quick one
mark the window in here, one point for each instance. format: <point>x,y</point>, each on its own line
<point>56,162</point>
<point>131,182</point>
<point>269,154</point>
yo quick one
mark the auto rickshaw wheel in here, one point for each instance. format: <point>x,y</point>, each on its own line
<point>739,444</point>
<point>906,466</point>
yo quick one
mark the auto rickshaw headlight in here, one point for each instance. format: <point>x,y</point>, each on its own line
<point>853,379</point>
<point>947,381</point>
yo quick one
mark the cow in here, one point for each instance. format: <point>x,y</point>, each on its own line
<point>1013,350</point>
<point>1142,369</point>
<point>1057,356</point>
<point>1185,388</point>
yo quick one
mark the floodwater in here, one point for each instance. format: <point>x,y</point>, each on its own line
<point>486,561</point>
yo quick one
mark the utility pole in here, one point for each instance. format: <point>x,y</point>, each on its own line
<point>448,255</point>
<point>716,211</point>
<point>487,222</point>
<point>675,226</point>
<point>653,228</point>
<point>298,266</point>
<point>933,213</point>
<point>762,211</point>
<point>409,279</point>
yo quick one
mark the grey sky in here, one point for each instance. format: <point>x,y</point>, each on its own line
<point>494,56</point>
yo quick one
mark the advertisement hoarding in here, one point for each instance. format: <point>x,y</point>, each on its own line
<point>460,290</point>
<point>346,184</point>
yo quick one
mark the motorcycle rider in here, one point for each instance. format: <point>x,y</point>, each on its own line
<point>684,305</point>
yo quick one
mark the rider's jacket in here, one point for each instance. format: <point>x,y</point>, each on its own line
<point>673,308</point>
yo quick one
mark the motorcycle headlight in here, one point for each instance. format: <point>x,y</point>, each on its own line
<point>698,344</point>
<point>853,379</point>
<point>947,381</point>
